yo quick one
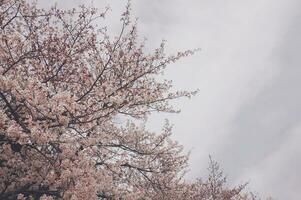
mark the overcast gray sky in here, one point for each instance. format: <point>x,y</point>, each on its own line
<point>247,114</point>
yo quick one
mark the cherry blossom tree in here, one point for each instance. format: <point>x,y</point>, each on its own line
<point>215,187</point>
<point>63,82</point>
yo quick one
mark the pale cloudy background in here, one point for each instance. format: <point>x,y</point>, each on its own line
<point>248,112</point>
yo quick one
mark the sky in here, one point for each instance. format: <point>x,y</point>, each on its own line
<point>247,113</point>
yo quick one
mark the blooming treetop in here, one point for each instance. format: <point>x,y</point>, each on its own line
<point>63,81</point>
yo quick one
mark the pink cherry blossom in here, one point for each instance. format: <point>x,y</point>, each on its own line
<point>63,83</point>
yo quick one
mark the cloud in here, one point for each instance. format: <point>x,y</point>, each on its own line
<point>277,173</point>
<point>248,77</point>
